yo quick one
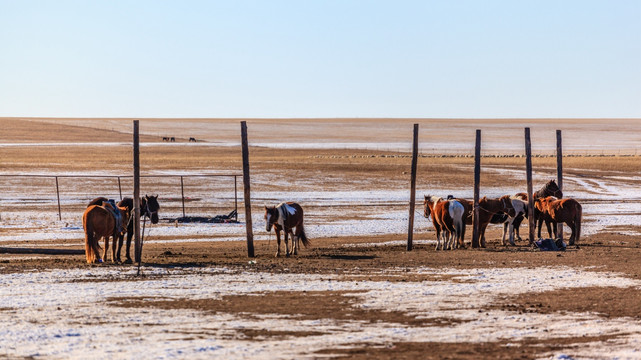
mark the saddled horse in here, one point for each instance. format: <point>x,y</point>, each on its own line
<point>285,217</point>
<point>103,221</point>
<point>556,210</point>
<point>149,207</point>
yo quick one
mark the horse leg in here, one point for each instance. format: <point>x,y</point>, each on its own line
<point>511,230</point>
<point>516,224</point>
<point>547,225</point>
<point>121,238</point>
<point>286,234</point>
<point>130,233</point>
<point>462,239</point>
<point>505,230</point>
<point>295,241</point>
<point>438,237</point>
<point>96,250</point>
<point>483,227</point>
<point>113,248</point>
<point>277,242</point>
<point>104,254</point>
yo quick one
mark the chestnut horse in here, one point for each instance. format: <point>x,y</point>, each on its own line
<point>286,217</point>
<point>488,208</point>
<point>556,210</point>
<point>149,207</point>
<point>430,209</point>
<point>103,221</point>
<point>549,189</point>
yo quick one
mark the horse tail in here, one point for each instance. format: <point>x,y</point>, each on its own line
<point>577,222</point>
<point>301,235</point>
<point>89,239</point>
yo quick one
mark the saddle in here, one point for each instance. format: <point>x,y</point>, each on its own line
<point>110,205</point>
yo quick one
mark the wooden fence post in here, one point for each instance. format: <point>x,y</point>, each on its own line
<point>248,209</point>
<point>119,188</point>
<point>137,241</point>
<point>559,174</point>
<point>58,194</point>
<point>236,197</point>
<point>410,229</point>
<point>477,180</point>
<point>182,193</point>
<point>528,172</point>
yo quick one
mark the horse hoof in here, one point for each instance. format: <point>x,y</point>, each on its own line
<point>128,261</point>
<point>277,255</point>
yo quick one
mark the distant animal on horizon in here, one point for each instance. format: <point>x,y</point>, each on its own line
<point>149,207</point>
<point>191,139</point>
<point>103,221</point>
<point>165,138</point>
<point>285,217</point>
<point>172,139</point>
<point>556,210</point>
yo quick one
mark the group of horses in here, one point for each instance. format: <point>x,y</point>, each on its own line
<point>451,215</point>
<point>103,218</point>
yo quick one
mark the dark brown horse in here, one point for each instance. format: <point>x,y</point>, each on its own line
<point>549,189</point>
<point>103,221</point>
<point>286,217</point>
<point>488,208</point>
<point>149,207</point>
<point>556,210</point>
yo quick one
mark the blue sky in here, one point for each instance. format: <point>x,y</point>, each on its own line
<point>333,58</point>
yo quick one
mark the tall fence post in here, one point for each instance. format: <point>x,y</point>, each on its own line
<point>410,228</point>
<point>528,172</point>
<point>236,197</point>
<point>119,188</point>
<point>559,174</point>
<point>248,209</point>
<point>137,240</point>
<point>182,193</point>
<point>58,194</point>
<point>476,230</point>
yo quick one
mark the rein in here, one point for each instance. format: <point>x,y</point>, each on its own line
<point>142,237</point>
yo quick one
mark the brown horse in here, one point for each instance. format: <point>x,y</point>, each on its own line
<point>430,210</point>
<point>149,207</point>
<point>556,210</point>
<point>487,209</point>
<point>549,189</point>
<point>286,217</point>
<point>103,221</point>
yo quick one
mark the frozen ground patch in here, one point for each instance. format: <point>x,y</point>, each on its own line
<point>62,317</point>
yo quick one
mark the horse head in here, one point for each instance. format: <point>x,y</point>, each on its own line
<point>271,216</point>
<point>427,211</point>
<point>150,207</point>
<point>552,189</point>
<point>508,207</point>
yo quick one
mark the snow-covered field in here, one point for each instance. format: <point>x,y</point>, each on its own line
<point>53,315</point>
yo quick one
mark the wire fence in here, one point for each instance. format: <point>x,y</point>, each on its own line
<point>193,194</point>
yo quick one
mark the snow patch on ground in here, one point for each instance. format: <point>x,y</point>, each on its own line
<point>63,317</point>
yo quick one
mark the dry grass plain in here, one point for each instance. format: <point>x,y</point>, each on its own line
<point>612,249</point>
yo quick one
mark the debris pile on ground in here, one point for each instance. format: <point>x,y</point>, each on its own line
<point>232,217</point>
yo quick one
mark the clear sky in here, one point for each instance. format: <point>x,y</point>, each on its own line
<point>320,58</point>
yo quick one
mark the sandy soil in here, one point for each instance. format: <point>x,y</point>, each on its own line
<point>613,249</point>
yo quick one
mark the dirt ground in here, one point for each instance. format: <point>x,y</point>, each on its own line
<point>607,251</point>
